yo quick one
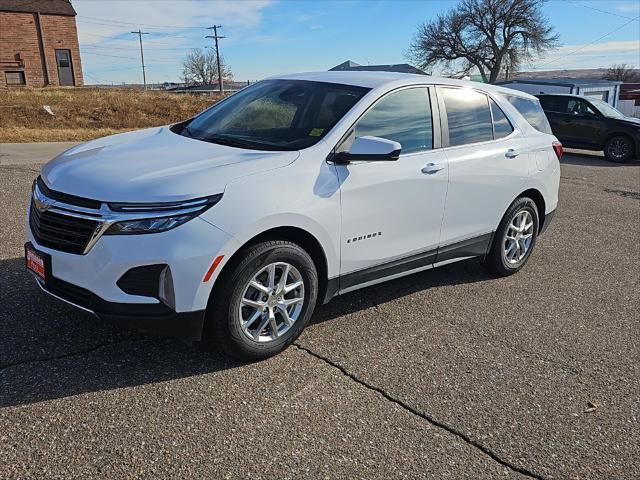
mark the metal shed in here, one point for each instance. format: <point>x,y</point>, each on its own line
<point>606,90</point>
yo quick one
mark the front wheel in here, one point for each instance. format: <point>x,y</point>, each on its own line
<point>618,149</point>
<point>262,305</point>
<point>515,238</point>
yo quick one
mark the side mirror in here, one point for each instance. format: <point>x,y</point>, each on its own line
<point>371,149</point>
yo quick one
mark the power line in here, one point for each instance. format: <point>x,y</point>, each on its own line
<point>111,38</point>
<point>123,68</point>
<point>99,79</point>
<point>122,26</point>
<point>589,44</point>
<point>110,56</point>
<point>128,48</point>
<point>147,25</point>
<point>144,75</point>
<point>602,11</point>
<point>158,60</point>
<point>216,37</point>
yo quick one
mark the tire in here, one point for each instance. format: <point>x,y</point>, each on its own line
<point>619,149</point>
<point>504,258</point>
<point>227,309</point>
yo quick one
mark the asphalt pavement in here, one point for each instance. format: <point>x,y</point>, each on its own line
<point>449,373</point>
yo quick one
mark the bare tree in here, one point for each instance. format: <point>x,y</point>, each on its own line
<point>622,73</point>
<point>200,67</point>
<point>490,35</point>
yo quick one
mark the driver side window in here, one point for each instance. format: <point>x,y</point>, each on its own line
<point>588,110</point>
<point>403,116</point>
<point>577,106</point>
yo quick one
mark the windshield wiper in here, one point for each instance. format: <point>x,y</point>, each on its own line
<point>239,142</point>
<point>224,140</point>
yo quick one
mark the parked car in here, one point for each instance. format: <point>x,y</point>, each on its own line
<point>232,225</point>
<point>592,124</point>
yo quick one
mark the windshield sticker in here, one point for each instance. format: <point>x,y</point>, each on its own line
<point>316,132</point>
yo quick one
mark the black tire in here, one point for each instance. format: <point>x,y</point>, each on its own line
<point>619,149</point>
<point>496,260</point>
<point>222,325</point>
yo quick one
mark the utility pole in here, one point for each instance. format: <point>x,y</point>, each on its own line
<point>216,38</point>
<point>144,75</point>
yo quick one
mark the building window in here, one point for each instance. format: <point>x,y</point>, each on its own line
<point>15,78</point>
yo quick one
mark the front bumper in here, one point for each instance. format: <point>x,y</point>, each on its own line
<point>89,281</point>
<point>155,318</point>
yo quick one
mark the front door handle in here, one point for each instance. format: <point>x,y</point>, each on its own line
<point>511,153</point>
<point>431,168</point>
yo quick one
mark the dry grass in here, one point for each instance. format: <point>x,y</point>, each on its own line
<point>86,113</point>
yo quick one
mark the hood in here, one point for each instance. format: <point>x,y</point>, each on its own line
<point>154,165</point>
<point>629,120</point>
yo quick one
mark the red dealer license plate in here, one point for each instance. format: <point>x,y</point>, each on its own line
<point>35,262</point>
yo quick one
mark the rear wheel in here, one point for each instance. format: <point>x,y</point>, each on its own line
<point>515,238</point>
<point>262,305</point>
<point>618,149</point>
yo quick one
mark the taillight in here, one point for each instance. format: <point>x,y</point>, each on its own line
<point>557,147</point>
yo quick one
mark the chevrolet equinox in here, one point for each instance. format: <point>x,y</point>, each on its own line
<point>232,225</point>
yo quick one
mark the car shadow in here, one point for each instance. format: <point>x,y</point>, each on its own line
<point>592,159</point>
<point>49,350</point>
<point>469,271</point>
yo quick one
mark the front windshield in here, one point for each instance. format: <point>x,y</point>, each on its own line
<point>275,115</point>
<point>606,109</point>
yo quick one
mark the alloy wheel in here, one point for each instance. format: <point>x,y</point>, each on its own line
<point>518,237</point>
<point>618,148</point>
<point>272,302</point>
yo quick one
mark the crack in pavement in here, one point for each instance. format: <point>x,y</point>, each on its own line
<point>66,355</point>
<point>624,193</point>
<point>425,416</point>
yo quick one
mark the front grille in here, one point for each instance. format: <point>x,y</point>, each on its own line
<point>61,232</point>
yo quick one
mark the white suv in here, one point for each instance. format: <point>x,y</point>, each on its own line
<point>232,225</point>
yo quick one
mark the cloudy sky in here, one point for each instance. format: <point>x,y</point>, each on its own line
<point>267,37</point>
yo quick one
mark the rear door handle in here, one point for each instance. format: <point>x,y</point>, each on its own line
<point>431,168</point>
<point>511,153</point>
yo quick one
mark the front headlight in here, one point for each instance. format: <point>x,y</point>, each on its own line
<point>148,225</point>
<point>155,218</point>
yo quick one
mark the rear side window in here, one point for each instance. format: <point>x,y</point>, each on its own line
<point>468,116</point>
<point>531,110</point>
<point>554,104</point>
<point>501,124</point>
<point>403,116</point>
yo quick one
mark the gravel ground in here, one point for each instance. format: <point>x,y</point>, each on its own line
<point>444,374</point>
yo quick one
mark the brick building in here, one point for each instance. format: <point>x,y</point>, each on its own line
<point>39,44</point>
